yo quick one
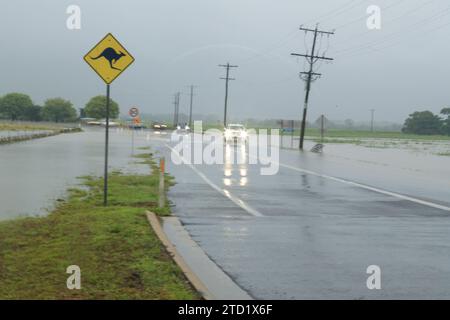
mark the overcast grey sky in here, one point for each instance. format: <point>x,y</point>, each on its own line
<point>399,69</point>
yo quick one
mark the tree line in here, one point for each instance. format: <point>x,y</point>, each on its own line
<point>428,123</point>
<point>18,106</point>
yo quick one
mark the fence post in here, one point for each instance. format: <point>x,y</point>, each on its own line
<point>161,198</point>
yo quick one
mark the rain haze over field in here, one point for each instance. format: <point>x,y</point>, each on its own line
<point>248,203</point>
<point>178,43</point>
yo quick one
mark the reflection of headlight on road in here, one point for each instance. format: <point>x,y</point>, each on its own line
<point>228,172</point>
<point>227,182</point>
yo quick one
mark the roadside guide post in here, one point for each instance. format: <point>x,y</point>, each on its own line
<point>161,198</point>
<point>108,59</point>
<point>134,113</point>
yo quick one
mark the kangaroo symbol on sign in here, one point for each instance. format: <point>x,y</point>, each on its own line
<point>111,55</point>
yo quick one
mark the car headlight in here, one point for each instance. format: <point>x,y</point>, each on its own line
<point>244,134</point>
<point>178,127</point>
<point>187,128</point>
<point>228,134</point>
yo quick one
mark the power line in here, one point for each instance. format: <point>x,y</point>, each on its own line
<point>397,34</point>
<point>227,78</point>
<point>271,48</point>
<point>311,58</point>
<point>383,9</point>
<point>336,12</point>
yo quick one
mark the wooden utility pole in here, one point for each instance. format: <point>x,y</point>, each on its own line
<point>227,78</point>
<point>312,58</point>
<point>190,106</point>
<point>176,110</point>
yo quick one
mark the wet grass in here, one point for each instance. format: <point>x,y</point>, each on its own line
<point>33,136</point>
<point>443,154</point>
<point>119,255</point>
<point>26,126</point>
<point>352,134</point>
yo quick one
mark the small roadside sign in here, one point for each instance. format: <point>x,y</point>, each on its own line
<point>134,112</point>
<point>108,58</point>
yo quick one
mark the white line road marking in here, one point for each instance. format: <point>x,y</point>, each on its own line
<point>363,186</point>
<point>224,192</point>
<point>254,212</point>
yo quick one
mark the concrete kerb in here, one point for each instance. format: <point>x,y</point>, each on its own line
<point>190,275</point>
<point>205,276</point>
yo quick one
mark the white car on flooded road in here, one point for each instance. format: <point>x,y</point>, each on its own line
<point>235,133</point>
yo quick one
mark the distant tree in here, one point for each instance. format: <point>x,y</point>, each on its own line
<point>13,106</point>
<point>423,122</point>
<point>446,123</point>
<point>2,116</point>
<point>96,108</point>
<point>33,113</point>
<point>58,110</point>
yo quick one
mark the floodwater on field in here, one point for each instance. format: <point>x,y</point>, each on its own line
<point>35,173</point>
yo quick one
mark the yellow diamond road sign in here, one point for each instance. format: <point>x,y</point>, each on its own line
<point>109,58</point>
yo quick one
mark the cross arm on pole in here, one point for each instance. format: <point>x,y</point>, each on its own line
<point>314,30</point>
<point>310,56</point>
<point>311,73</point>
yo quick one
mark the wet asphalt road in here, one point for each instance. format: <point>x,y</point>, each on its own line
<point>293,235</point>
<point>298,235</point>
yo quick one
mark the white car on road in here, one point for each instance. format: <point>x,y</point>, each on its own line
<point>235,133</point>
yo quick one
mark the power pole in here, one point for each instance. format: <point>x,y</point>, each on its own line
<point>372,111</point>
<point>312,58</point>
<point>190,106</point>
<point>176,104</point>
<point>227,78</point>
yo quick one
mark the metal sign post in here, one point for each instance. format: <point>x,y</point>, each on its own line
<point>105,178</point>
<point>108,59</point>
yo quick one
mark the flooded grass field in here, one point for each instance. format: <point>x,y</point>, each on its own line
<point>36,173</point>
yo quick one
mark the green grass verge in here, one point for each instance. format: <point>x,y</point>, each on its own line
<point>375,135</point>
<point>313,133</point>
<point>119,255</point>
<point>27,126</point>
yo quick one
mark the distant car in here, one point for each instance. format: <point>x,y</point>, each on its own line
<point>159,126</point>
<point>93,123</point>
<point>111,123</point>
<point>235,133</point>
<point>183,129</point>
